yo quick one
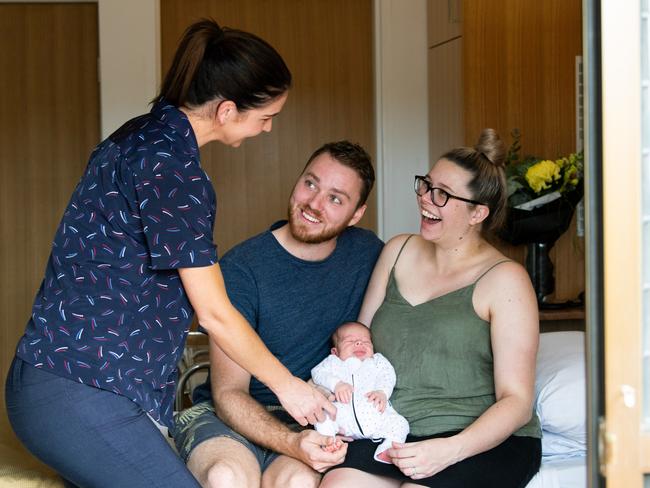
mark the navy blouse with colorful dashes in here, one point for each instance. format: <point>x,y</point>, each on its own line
<point>111,311</point>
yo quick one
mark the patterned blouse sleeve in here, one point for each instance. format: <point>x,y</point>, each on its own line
<point>177,203</point>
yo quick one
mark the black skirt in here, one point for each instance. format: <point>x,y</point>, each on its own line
<point>511,464</point>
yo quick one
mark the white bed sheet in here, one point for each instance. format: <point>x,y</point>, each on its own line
<point>566,473</point>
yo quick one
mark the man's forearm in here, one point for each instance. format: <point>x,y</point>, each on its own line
<point>249,418</point>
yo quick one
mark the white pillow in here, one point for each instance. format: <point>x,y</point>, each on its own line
<point>560,388</point>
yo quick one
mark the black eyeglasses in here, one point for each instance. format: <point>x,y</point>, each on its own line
<point>439,197</point>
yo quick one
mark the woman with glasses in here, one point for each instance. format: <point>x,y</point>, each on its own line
<point>458,320</point>
<point>132,259</point>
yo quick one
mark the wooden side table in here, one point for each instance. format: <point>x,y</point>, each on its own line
<point>562,319</point>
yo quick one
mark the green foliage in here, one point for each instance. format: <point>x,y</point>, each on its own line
<point>531,177</point>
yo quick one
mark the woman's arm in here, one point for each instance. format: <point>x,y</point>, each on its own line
<point>206,291</point>
<point>376,290</point>
<point>506,299</point>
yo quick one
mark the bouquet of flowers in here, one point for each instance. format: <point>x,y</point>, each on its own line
<point>542,195</point>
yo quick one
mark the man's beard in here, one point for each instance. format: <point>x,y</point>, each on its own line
<point>300,232</point>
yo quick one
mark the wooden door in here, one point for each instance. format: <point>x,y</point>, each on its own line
<point>519,61</point>
<point>49,122</point>
<point>445,55</point>
<point>328,48</point>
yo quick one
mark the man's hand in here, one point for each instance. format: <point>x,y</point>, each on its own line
<point>378,397</point>
<point>343,392</point>
<point>326,393</point>
<point>304,403</point>
<point>315,450</point>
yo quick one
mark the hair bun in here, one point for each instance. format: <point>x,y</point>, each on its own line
<point>492,147</point>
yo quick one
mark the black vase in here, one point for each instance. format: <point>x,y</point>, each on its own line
<point>540,269</point>
<point>539,229</point>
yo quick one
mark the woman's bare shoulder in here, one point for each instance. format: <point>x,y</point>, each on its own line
<point>395,244</point>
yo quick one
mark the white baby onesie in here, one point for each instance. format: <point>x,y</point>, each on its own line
<point>360,418</point>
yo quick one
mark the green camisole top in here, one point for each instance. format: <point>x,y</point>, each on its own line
<point>442,355</point>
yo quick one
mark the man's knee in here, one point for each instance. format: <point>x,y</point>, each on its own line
<point>222,462</point>
<point>307,478</point>
<point>300,479</point>
<point>290,474</point>
<point>229,472</point>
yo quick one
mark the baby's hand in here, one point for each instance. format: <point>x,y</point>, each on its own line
<point>378,397</point>
<point>343,392</point>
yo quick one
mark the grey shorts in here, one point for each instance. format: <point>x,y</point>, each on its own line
<point>199,423</point>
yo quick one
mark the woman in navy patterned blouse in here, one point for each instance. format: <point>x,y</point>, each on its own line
<point>131,261</point>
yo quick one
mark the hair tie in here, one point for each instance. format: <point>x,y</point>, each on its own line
<point>216,34</point>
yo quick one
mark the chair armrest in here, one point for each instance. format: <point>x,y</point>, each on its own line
<point>182,380</point>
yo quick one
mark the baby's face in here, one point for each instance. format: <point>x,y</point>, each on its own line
<point>353,340</point>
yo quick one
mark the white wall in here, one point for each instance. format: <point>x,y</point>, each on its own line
<point>129,59</point>
<point>401,111</point>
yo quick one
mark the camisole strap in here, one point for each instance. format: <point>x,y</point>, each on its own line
<point>490,269</point>
<point>400,252</point>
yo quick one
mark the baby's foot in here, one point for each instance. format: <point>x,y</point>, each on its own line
<point>333,446</point>
<point>383,457</point>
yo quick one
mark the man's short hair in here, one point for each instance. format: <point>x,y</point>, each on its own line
<point>353,156</point>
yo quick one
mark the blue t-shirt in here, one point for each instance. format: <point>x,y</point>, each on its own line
<point>111,311</point>
<point>295,305</point>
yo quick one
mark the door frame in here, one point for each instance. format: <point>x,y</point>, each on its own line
<point>594,305</point>
<point>626,445</point>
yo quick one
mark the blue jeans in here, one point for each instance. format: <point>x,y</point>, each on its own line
<point>91,437</point>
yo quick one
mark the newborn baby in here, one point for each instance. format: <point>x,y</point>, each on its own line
<point>362,382</point>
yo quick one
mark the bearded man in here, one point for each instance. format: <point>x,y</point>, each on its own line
<point>295,284</point>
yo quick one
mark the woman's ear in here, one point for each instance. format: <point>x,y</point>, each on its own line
<point>227,110</point>
<point>479,214</point>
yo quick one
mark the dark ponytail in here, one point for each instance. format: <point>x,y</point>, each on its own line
<point>212,63</point>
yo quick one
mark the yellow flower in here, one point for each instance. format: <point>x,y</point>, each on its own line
<point>541,175</point>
